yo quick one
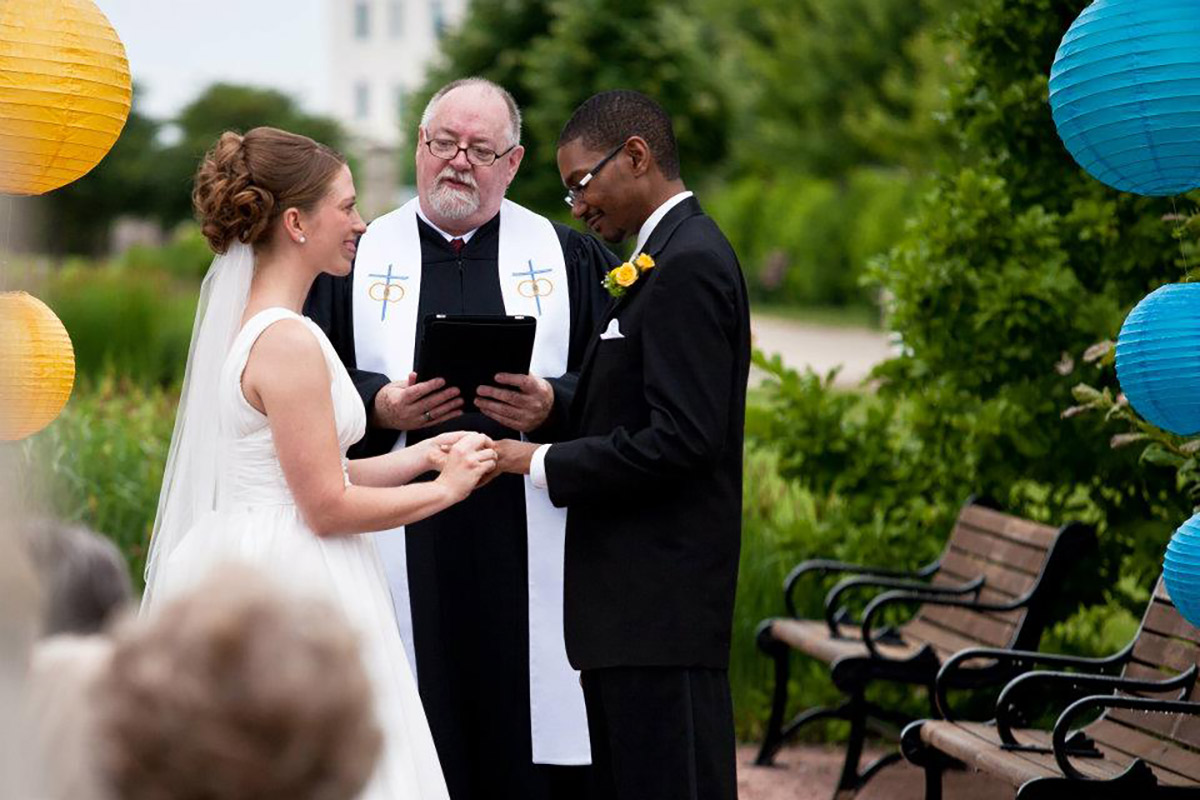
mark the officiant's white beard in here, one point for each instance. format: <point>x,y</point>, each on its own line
<point>451,203</point>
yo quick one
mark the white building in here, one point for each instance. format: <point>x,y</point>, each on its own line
<point>378,53</point>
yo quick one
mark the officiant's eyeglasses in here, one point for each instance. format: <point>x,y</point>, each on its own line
<point>448,150</point>
<point>575,193</point>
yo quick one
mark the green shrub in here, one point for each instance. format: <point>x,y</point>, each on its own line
<point>124,319</point>
<point>101,462</point>
<point>805,240</point>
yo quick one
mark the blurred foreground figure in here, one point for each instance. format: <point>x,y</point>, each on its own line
<point>236,691</point>
<point>18,630</point>
<point>85,580</point>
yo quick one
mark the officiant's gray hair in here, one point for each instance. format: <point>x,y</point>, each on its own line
<point>514,112</point>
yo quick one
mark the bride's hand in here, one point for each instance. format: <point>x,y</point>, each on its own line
<point>470,459</point>
<point>437,449</point>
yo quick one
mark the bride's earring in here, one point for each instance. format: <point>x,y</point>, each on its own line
<point>303,239</point>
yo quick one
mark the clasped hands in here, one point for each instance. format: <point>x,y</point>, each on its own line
<point>409,405</point>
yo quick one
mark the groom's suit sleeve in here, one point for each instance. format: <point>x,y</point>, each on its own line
<point>689,340</point>
<point>330,305</point>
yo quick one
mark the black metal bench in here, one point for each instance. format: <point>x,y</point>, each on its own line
<point>1145,743</point>
<point>992,586</point>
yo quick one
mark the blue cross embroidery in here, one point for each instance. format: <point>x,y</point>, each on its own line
<point>534,282</point>
<point>387,284</point>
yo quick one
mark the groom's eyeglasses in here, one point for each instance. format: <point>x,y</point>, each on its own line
<point>480,156</point>
<point>575,193</point>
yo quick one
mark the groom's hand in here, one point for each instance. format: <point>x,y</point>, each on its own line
<point>513,455</point>
<point>523,408</point>
<point>408,405</point>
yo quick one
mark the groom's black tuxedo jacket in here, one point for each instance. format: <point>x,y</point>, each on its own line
<point>652,473</point>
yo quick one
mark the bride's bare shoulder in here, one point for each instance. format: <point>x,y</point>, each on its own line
<point>286,356</point>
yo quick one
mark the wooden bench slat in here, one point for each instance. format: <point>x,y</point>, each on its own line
<point>1188,729</point>
<point>1160,724</point>
<point>1157,752</point>
<point>999,551</point>
<point>1147,672</point>
<point>1160,591</point>
<point>998,576</point>
<point>812,637</point>
<point>978,744</point>
<point>1009,526</point>
<point>1162,618</point>
<point>943,640</point>
<point>971,624</point>
<point>1157,650</point>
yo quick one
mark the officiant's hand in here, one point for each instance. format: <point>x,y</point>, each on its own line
<point>523,408</point>
<point>409,406</point>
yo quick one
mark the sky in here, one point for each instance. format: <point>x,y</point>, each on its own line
<point>176,48</point>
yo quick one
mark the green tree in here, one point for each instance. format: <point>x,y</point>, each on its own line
<point>223,107</point>
<point>554,55</point>
<point>1017,262</point>
<point>826,85</point>
<point>78,217</point>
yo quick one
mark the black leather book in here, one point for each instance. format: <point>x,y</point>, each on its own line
<point>468,350</point>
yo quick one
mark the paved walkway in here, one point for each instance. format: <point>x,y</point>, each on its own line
<point>810,773</point>
<point>822,347</point>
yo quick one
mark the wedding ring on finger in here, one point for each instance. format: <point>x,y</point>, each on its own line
<point>428,417</point>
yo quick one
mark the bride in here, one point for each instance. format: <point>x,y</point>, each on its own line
<point>257,471</point>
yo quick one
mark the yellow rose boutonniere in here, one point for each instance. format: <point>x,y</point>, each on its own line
<point>620,279</point>
<point>626,275</point>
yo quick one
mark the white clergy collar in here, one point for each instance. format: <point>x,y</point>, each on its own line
<point>650,224</point>
<point>466,237</point>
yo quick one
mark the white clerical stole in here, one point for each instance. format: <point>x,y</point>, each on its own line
<point>533,281</point>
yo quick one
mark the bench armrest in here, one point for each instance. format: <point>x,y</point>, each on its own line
<point>832,615</point>
<point>1006,663</point>
<point>907,598</point>
<point>824,566</point>
<point>1087,704</point>
<point>1076,683</point>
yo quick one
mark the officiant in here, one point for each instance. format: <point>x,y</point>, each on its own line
<point>478,589</point>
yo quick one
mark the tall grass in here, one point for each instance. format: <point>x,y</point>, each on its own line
<point>101,462</point>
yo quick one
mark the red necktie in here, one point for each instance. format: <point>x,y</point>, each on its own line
<point>456,245</point>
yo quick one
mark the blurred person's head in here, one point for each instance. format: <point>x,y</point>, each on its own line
<point>281,193</point>
<point>618,158</point>
<point>468,152</point>
<point>237,691</point>
<point>85,580</point>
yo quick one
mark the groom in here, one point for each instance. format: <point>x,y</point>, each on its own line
<point>649,465</point>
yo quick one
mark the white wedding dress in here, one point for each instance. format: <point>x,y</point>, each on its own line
<point>260,524</point>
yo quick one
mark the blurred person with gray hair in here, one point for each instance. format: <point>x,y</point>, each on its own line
<point>85,579</point>
<point>236,690</point>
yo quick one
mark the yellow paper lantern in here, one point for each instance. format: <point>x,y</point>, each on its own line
<point>37,366</point>
<point>65,92</point>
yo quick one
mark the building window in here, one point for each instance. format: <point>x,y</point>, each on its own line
<point>438,13</point>
<point>362,20</point>
<point>396,19</point>
<point>362,100</point>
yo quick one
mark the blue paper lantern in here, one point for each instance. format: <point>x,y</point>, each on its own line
<point>1158,358</point>
<point>1181,570</point>
<point>1125,93</point>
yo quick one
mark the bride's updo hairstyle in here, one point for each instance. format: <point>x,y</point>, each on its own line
<point>246,182</point>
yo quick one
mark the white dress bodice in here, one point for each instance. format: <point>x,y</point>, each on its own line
<point>251,468</point>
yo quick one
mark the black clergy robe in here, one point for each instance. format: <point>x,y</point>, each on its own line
<point>467,566</point>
